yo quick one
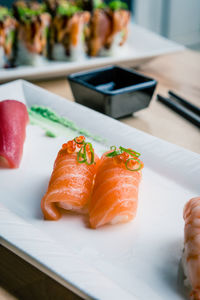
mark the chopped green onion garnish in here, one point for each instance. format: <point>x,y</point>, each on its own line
<point>126,164</point>
<point>82,142</point>
<point>98,4</point>
<point>121,150</point>
<point>131,152</point>
<point>68,9</point>
<point>4,12</point>
<point>92,154</point>
<point>114,153</point>
<point>26,12</point>
<point>82,153</point>
<point>113,147</point>
<point>115,5</point>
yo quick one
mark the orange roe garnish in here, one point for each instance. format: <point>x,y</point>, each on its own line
<point>134,164</point>
<point>70,146</point>
<point>79,140</point>
<point>121,158</point>
<point>85,151</point>
<point>127,157</point>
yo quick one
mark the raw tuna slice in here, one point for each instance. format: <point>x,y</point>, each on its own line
<point>13,121</point>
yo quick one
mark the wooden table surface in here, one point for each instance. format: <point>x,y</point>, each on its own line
<point>179,72</point>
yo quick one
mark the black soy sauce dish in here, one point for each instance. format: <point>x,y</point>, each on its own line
<point>114,91</point>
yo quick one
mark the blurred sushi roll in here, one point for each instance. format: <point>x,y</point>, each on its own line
<point>62,30</point>
<point>33,32</point>
<point>8,30</point>
<point>69,24</point>
<point>108,28</point>
<point>120,21</point>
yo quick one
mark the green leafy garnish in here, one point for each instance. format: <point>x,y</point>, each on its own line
<point>67,9</point>
<point>113,148</point>
<point>116,5</point>
<point>98,4</point>
<point>26,12</point>
<point>4,12</point>
<point>82,153</point>
<point>131,152</point>
<point>121,150</point>
<point>79,143</point>
<point>10,37</point>
<point>135,159</point>
<point>114,153</point>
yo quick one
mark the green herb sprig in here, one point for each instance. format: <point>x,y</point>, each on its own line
<point>4,12</point>
<point>68,9</point>
<point>131,152</point>
<point>116,5</point>
<point>26,12</point>
<point>82,153</point>
<point>98,4</point>
<point>121,150</point>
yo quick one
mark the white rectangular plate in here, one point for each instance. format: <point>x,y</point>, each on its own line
<point>141,46</point>
<point>137,260</point>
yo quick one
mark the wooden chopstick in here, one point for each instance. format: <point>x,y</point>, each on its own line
<point>185,103</point>
<point>181,110</point>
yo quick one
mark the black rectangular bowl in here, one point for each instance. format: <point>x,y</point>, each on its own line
<point>114,91</point>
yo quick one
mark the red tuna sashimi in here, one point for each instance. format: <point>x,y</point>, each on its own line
<point>13,121</point>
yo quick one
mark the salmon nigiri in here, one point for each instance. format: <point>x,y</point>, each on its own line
<point>191,253</point>
<point>71,181</point>
<point>115,193</point>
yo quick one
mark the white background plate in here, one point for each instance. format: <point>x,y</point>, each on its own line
<point>137,260</point>
<point>142,45</point>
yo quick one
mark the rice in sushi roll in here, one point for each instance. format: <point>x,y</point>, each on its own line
<point>8,28</point>
<point>68,30</point>
<point>34,23</point>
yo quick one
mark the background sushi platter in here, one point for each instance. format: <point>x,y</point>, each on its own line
<point>137,260</point>
<point>141,46</point>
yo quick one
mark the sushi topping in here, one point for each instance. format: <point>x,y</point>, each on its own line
<point>79,140</point>
<point>86,154</point>
<point>116,5</point>
<point>26,12</point>
<point>85,151</point>
<point>8,27</point>
<point>4,12</point>
<point>128,156</point>
<point>122,150</point>
<point>67,9</point>
<point>133,164</point>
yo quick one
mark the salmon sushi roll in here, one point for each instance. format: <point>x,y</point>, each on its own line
<point>108,28</point>
<point>67,35</point>
<point>8,40</point>
<point>33,32</point>
<point>115,195</point>
<point>71,183</point>
<point>191,252</point>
